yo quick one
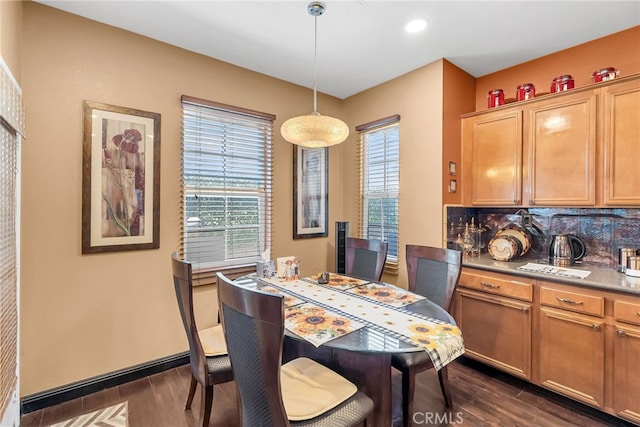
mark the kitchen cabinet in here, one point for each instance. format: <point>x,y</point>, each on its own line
<point>494,314</point>
<point>621,133</point>
<point>492,158</point>
<point>560,136</point>
<point>585,139</point>
<point>572,345</point>
<point>580,342</point>
<point>626,363</point>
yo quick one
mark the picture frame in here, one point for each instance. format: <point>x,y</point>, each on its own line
<point>310,192</point>
<point>120,179</point>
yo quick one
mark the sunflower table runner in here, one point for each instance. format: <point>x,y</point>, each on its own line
<point>331,313</point>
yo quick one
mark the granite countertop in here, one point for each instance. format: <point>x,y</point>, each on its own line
<point>600,278</point>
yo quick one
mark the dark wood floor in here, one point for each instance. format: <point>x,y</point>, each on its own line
<point>482,397</point>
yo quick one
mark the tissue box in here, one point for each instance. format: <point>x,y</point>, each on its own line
<point>265,269</point>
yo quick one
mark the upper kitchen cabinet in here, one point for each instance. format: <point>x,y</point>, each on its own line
<point>492,158</point>
<point>575,148</point>
<point>560,136</point>
<point>621,135</point>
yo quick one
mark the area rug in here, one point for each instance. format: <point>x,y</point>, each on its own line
<point>113,416</point>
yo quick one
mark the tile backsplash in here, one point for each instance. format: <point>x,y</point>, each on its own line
<point>603,231</point>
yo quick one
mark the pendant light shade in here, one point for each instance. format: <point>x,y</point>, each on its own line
<point>315,130</point>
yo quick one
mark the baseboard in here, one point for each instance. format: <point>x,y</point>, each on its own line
<point>57,395</point>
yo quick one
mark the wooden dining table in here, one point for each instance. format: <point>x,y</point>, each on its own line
<point>364,355</point>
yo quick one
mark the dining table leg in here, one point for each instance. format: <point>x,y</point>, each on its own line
<point>370,372</point>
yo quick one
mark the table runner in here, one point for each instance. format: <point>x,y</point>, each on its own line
<point>441,340</point>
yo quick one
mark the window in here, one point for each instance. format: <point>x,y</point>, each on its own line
<point>379,171</point>
<point>226,184</point>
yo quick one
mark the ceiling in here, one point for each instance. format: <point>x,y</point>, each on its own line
<point>361,43</point>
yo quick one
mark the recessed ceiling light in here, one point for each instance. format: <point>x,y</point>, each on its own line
<point>416,26</point>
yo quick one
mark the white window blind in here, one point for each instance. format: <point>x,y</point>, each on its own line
<point>227,181</point>
<point>380,184</point>
<point>12,120</point>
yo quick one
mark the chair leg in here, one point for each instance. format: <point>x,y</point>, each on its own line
<point>192,392</point>
<point>207,400</point>
<point>408,388</point>
<point>443,377</point>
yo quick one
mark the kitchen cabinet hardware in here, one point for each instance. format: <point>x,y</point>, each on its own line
<point>621,333</point>
<point>569,301</point>
<point>532,202</point>
<point>596,327</point>
<point>525,309</point>
<point>489,285</point>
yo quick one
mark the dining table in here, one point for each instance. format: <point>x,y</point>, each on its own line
<point>354,326</point>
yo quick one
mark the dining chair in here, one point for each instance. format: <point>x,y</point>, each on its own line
<point>299,393</point>
<point>205,370</point>
<point>365,258</point>
<point>433,273</point>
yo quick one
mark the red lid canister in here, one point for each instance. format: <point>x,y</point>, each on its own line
<point>495,98</point>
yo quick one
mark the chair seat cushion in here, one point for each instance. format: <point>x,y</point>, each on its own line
<point>310,389</point>
<point>213,342</point>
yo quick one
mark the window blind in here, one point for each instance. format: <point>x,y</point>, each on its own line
<point>227,164</point>
<point>11,128</point>
<point>379,184</point>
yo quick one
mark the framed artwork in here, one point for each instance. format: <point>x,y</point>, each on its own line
<point>120,179</point>
<point>310,198</point>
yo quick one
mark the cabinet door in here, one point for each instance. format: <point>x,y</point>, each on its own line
<point>492,159</point>
<point>627,373</point>
<point>621,120</point>
<point>496,331</point>
<point>561,151</point>
<point>571,350</point>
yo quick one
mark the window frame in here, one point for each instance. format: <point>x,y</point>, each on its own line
<point>367,129</point>
<point>233,188</point>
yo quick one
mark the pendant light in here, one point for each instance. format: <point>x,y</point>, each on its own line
<point>314,130</point>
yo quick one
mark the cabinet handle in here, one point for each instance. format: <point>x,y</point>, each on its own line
<point>621,333</point>
<point>638,313</point>
<point>525,309</point>
<point>596,327</point>
<point>569,301</point>
<point>489,285</point>
<point>516,201</point>
<point>532,202</point>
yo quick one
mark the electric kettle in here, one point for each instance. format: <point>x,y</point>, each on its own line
<point>565,249</point>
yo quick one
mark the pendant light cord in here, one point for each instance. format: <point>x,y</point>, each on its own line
<point>315,66</point>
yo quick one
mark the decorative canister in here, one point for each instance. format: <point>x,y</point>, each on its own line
<point>623,255</point>
<point>525,91</point>
<point>562,83</point>
<point>495,98</point>
<point>604,74</point>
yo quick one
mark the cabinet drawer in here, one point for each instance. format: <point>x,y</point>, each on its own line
<point>626,312</point>
<point>498,284</point>
<point>581,303</point>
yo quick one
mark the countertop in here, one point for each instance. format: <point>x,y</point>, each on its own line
<point>600,278</point>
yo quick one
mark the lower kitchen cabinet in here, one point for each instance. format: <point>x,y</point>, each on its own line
<point>571,355</point>
<point>494,315</point>
<point>581,342</point>
<point>626,363</point>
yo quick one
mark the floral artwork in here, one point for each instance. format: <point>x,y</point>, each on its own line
<point>120,179</point>
<point>316,324</point>
<point>122,182</point>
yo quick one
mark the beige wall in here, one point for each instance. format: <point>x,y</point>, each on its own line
<point>86,315</point>
<point>11,36</point>
<point>417,97</point>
